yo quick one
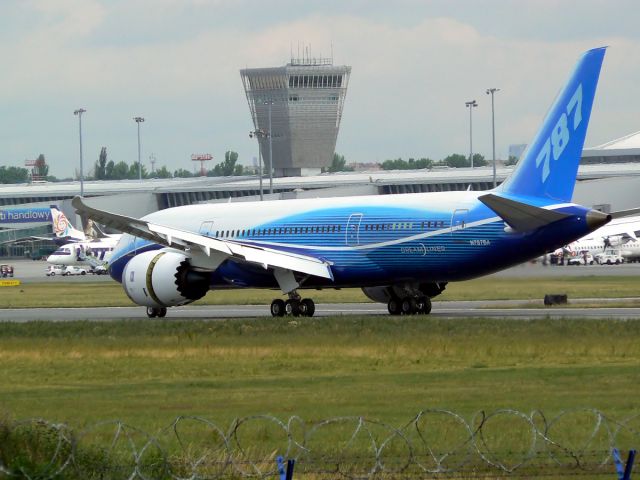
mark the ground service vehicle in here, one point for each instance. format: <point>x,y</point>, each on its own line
<point>74,270</point>
<point>582,258</point>
<point>609,257</point>
<point>6,270</point>
<point>54,270</point>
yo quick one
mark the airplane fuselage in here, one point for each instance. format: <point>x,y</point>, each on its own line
<point>369,240</point>
<point>78,253</point>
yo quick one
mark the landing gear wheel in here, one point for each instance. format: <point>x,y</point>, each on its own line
<point>308,307</point>
<point>424,305</point>
<point>292,307</point>
<point>394,306</point>
<point>162,312</point>
<point>152,312</point>
<point>277,308</point>
<point>408,306</point>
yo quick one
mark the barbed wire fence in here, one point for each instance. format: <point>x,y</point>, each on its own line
<point>434,444</point>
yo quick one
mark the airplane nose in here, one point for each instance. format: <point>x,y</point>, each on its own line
<point>596,219</point>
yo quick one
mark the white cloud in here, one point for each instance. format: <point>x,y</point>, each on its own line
<point>406,97</point>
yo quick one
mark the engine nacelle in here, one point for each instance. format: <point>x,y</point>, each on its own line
<point>163,279</point>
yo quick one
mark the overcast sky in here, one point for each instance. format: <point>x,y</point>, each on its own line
<point>414,64</point>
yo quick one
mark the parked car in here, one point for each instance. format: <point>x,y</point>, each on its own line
<point>582,258</point>
<point>610,257</point>
<point>6,271</point>
<point>54,270</point>
<point>73,270</point>
<point>99,270</point>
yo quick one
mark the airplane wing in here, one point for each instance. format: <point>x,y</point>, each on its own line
<point>184,240</point>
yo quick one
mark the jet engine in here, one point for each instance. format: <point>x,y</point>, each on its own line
<point>163,279</point>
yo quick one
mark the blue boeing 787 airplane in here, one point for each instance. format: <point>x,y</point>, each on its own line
<point>400,249</point>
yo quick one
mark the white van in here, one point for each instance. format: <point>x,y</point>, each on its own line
<point>582,258</point>
<point>610,257</point>
<point>54,270</point>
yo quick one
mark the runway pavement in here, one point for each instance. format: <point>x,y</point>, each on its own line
<point>466,309</point>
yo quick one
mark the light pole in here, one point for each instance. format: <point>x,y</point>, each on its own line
<point>139,120</point>
<point>493,132</point>
<point>259,134</point>
<point>471,105</point>
<point>270,133</point>
<point>79,113</point>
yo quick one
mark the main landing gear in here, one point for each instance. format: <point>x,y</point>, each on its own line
<point>153,312</point>
<point>409,305</point>
<point>295,306</point>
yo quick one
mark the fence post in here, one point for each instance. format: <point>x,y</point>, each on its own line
<point>624,471</point>
<point>290,465</point>
<point>629,467</point>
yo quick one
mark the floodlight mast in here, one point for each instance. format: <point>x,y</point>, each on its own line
<point>270,133</point>
<point>493,132</point>
<point>139,120</point>
<point>471,105</point>
<point>258,133</point>
<point>79,113</point>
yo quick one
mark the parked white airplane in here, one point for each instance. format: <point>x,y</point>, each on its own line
<point>90,253</point>
<point>82,249</point>
<point>400,249</point>
<point>621,234</point>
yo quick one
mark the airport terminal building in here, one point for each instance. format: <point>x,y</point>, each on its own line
<point>607,186</point>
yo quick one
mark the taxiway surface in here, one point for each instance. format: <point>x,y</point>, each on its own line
<point>466,309</point>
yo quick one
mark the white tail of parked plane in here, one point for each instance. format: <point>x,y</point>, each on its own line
<point>62,228</point>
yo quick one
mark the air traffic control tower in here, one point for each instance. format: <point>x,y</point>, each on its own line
<point>300,106</point>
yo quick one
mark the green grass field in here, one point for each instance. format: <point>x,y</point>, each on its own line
<point>148,372</point>
<point>108,294</point>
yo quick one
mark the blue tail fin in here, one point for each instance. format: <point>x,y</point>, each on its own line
<point>549,166</point>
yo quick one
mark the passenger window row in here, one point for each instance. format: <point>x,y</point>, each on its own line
<point>403,225</point>
<point>323,229</point>
<point>265,232</point>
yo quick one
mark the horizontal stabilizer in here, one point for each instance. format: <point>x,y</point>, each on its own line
<point>521,216</point>
<point>625,213</point>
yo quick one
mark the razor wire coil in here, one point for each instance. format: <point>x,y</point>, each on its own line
<point>435,442</point>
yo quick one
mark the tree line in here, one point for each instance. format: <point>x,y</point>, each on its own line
<point>455,160</point>
<point>108,170</point>
<point>105,169</point>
